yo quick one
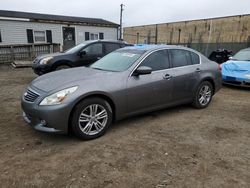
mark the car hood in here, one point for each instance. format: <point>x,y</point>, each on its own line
<point>67,78</point>
<point>236,68</point>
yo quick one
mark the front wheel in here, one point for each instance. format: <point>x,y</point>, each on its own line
<point>61,67</point>
<point>203,95</point>
<point>91,118</point>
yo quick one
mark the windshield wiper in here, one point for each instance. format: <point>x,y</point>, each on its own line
<point>97,68</point>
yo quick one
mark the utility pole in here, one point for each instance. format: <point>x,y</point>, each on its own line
<point>122,5</point>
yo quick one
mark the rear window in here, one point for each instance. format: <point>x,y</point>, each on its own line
<point>195,58</point>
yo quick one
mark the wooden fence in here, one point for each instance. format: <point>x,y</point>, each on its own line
<point>25,52</point>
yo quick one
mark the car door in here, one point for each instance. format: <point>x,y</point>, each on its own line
<point>152,90</point>
<point>90,54</point>
<point>183,74</point>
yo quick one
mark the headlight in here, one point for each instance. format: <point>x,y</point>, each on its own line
<point>45,60</point>
<point>58,97</point>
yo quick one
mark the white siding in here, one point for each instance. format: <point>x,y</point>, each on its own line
<point>14,32</point>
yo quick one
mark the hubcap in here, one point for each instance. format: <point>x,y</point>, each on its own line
<point>93,119</point>
<point>205,95</point>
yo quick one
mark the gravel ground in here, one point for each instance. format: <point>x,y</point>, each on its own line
<point>177,147</point>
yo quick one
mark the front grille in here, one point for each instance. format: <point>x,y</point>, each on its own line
<point>30,96</point>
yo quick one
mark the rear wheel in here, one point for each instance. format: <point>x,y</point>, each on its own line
<point>91,118</point>
<point>203,95</point>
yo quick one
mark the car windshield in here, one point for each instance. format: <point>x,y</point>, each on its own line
<point>117,61</point>
<point>76,48</point>
<point>243,55</point>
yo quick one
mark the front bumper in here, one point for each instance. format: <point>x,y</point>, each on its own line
<point>230,80</point>
<point>41,69</point>
<point>52,119</point>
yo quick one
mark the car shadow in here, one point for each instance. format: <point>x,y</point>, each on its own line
<point>236,87</point>
<point>152,115</point>
<point>56,138</point>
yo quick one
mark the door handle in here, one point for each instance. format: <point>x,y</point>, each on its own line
<point>167,77</point>
<point>198,70</point>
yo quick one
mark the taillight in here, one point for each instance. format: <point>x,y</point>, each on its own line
<point>219,67</point>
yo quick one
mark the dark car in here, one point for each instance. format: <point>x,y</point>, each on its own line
<point>83,54</point>
<point>220,56</point>
<point>124,83</point>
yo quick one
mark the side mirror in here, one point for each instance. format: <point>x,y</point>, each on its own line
<point>142,70</point>
<point>82,53</point>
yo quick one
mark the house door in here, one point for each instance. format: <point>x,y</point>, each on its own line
<point>68,37</point>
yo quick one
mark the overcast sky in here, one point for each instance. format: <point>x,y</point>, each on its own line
<point>136,12</point>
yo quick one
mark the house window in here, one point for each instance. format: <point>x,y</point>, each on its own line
<point>101,36</point>
<point>0,36</point>
<point>39,36</point>
<point>93,36</point>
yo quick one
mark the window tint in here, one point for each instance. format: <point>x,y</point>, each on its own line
<point>195,58</point>
<point>180,58</point>
<point>93,49</point>
<point>109,47</point>
<point>157,60</point>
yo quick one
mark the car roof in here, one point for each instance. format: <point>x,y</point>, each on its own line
<point>111,41</point>
<point>151,47</point>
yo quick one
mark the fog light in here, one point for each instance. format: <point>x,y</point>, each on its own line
<point>43,122</point>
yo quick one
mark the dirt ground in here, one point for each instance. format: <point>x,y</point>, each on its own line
<point>177,147</point>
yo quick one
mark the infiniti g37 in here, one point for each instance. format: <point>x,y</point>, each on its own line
<point>124,83</point>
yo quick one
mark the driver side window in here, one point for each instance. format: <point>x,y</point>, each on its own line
<point>93,49</point>
<point>157,60</point>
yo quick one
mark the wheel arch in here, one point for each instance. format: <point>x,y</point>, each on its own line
<point>210,80</point>
<point>61,62</point>
<point>94,95</point>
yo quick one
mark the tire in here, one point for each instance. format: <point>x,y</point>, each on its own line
<point>203,95</point>
<point>61,67</point>
<point>84,120</point>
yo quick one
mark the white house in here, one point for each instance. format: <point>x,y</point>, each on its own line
<point>25,28</point>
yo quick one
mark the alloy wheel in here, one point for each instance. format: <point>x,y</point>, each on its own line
<point>205,95</point>
<point>93,119</point>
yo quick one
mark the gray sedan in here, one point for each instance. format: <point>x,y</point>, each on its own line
<point>129,81</point>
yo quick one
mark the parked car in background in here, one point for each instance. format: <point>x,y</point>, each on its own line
<point>124,83</point>
<point>236,71</point>
<point>83,54</point>
<point>220,56</point>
